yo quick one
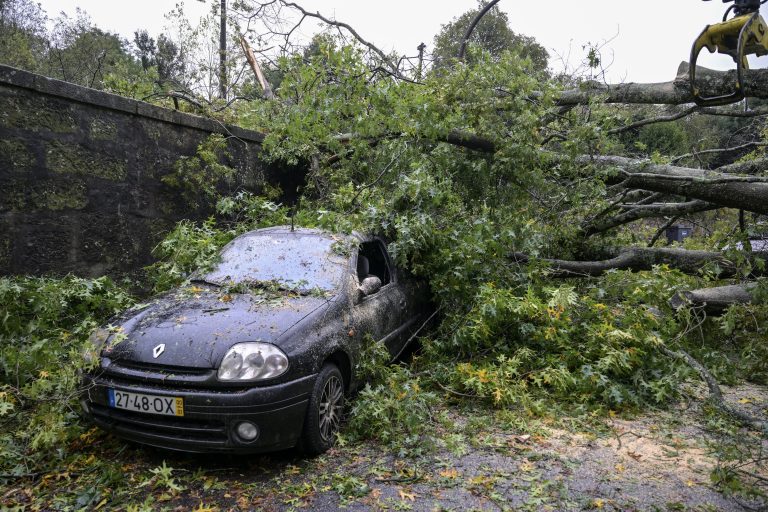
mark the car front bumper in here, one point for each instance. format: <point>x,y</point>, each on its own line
<point>210,417</point>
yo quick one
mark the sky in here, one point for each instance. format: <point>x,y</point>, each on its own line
<point>642,41</point>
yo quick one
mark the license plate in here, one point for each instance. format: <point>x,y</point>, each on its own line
<point>150,404</point>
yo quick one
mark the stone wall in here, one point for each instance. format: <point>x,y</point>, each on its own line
<point>80,170</point>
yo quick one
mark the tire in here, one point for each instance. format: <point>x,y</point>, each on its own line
<point>324,412</point>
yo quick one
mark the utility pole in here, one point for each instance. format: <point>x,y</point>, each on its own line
<point>223,52</point>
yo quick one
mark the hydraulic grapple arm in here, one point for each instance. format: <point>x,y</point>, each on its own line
<point>743,35</point>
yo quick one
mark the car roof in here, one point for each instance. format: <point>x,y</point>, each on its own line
<point>287,230</point>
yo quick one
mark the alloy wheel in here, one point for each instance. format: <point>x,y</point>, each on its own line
<point>330,410</point>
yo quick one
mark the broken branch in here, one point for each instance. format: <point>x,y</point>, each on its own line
<point>251,58</point>
<point>713,300</point>
<point>642,211</point>
<point>711,186</point>
<point>715,392</point>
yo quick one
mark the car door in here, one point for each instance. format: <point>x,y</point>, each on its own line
<point>381,314</point>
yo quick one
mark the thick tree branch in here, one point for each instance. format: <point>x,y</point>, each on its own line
<point>730,112</point>
<point>469,141</point>
<point>458,138</point>
<point>755,166</point>
<point>747,193</point>
<point>639,258</point>
<point>646,211</point>
<point>662,208</point>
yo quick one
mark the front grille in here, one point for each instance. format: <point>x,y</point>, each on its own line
<point>177,377</point>
<point>160,368</point>
<point>209,433</point>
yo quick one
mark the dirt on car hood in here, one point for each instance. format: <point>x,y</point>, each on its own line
<point>197,325</point>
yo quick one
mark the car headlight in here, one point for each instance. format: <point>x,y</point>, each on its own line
<point>252,361</point>
<point>96,342</point>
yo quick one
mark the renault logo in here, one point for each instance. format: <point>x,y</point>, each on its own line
<point>158,350</point>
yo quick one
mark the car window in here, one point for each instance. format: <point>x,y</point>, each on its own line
<point>377,262</point>
<point>302,262</point>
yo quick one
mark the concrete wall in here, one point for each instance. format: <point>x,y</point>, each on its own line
<point>80,170</point>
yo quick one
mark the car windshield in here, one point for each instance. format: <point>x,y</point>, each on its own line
<point>293,261</point>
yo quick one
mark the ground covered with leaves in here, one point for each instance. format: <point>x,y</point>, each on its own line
<point>432,432</point>
<point>480,460</point>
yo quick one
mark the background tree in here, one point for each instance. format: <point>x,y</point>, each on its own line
<point>492,34</point>
<point>162,54</point>
<point>81,53</point>
<point>22,34</point>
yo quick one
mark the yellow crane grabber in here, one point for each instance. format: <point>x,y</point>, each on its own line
<point>743,35</point>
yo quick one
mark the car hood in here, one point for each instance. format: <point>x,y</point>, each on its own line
<point>197,325</point>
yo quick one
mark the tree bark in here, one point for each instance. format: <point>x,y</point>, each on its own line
<point>747,193</point>
<point>714,301</point>
<point>675,92</point>
<point>755,166</point>
<point>469,141</point>
<point>639,258</point>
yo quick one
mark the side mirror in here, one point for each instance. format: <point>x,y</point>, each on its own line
<point>369,286</point>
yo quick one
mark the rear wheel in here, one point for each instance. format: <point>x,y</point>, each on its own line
<point>324,412</point>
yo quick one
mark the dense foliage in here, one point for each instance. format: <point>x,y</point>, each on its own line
<point>44,328</point>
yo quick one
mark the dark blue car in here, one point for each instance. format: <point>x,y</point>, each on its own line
<point>259,353</point>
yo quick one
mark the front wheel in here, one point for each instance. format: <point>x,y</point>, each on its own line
<point>324,412</point>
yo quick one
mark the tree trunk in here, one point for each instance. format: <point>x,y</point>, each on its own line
<point>223,52</point>
<point>676,92</point>
<point>638,258</point>
<point>714,301</point>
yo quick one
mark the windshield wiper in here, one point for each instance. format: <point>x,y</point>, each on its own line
<point>203,281</point>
